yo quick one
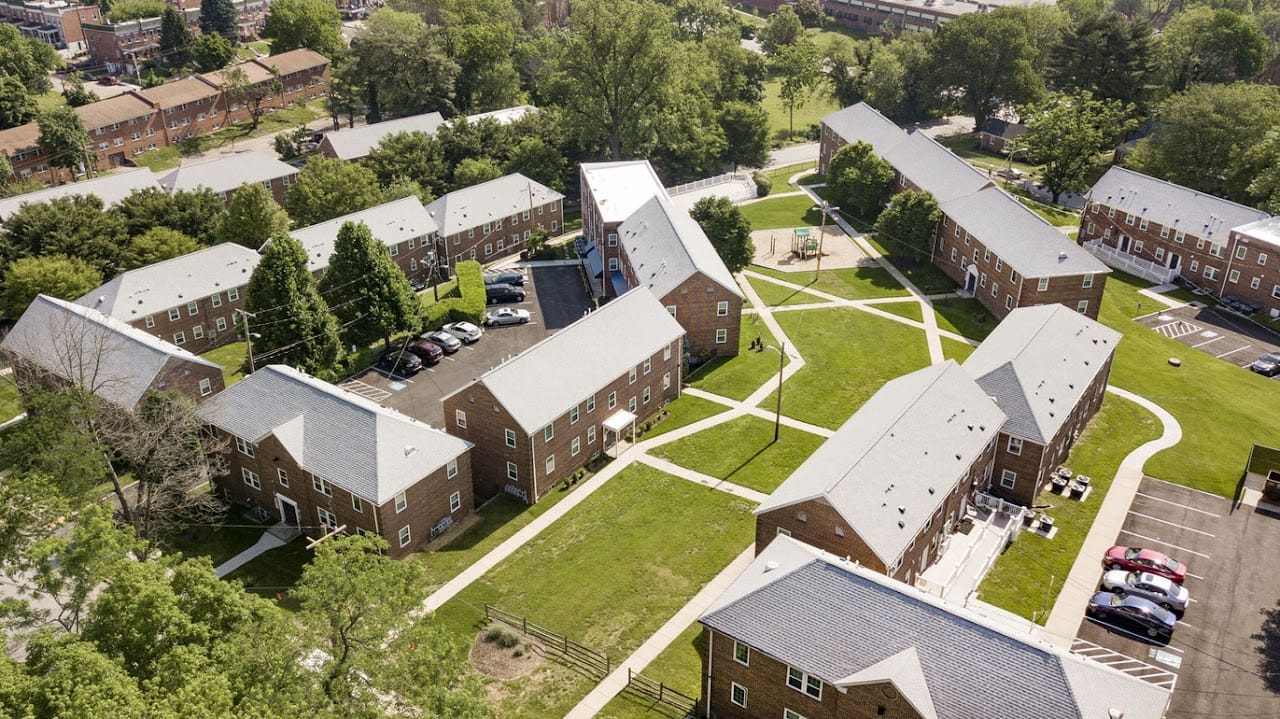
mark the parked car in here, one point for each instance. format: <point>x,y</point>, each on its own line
<point>400,364</point>
<point>1268,365</point>
<point>507,277</point>
<point>465,331</point>
<point>443,340</point>
<point>506,316</point>
<point>108,80</point>
<point>503,293</point>
<point>1161,590</point>
<point>1136,559</point>
<point>1141,614</point>
<point>429,352</point>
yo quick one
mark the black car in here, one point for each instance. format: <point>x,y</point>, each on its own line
<point>508,277</point>
<point>503,293</point>
<point>1129,611</point>
<point>1268,365</point>
<point>399,364</point>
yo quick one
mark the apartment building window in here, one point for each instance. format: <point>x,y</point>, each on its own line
<point>1082,306</point>
<point>1043,284</point>
<point>282,477</point>
<point>460,418</point>
<point>613,264</point>
<point>1015,446</point>
<point>471,233</point>
<point>175,314</point>
<point>488,227</point>
<point>488,249</point>
<point>1262,259</point>
<point>953,254</point>
<point>1086,282</point>
<point>150,321</point>
<point>804,683</point>
<point>244,447</point>
<point>666,380</point>
<point>1008,479</point>
<point>524,215</point>
<point>1159,254</point>
<point>1142,224</point>
<point>327,519</point>
<point>666,351</point>
<point>250,478</point>
<point>722,308</point>
<point>1211,273</point>
<point>405,536</point>
<point>999,265</point>
<point>648,364</point>
<point>1241,252</point>
<point>741,653</point>
<point>395,250</point>
<point>548,433</point>
<point>591,434</point>
<point>179,338</point>
<point>1233,277</point>
<point>1008,302</point>
<point>613,400</point>
<point>1218,251</point>
<point>631,376</point>
<point>722,336</point>
<point>986,255</point>
<point>788,714</point>
<point>321,486</point>
<point>513,472</point>
<point>975,254</point>
<point>613,239</point>
<point>551,464</point>
<point>216,300</point>
<point>995,289</point>
<point>573,414</point>
<point>1179,236</point>
<point>644,396</point>
<point>197,332</point>
<point>206,387</point>
<point>1195,265</point>
<point>356,504</point>
<point>591,403</point>
<point>1111,212</point>
<point>738,694</point>
<point>451,469</point>
<point>575,446</point>
<point>1253,283</point>
<point>233,294</point>
<point>455,502</point>
<point>631,404</point>
<point>1164,231</point>
<point>402,503</point>
<point>221,324</point>
<point>1199,243</point>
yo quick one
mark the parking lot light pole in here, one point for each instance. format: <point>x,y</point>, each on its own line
<point>825,208</point>
<point>777,414</point>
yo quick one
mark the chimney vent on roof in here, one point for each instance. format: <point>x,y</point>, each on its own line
<point>1062,255</point>
<point>902,509</point>
<point>770,566</point>
<point>410,450</point>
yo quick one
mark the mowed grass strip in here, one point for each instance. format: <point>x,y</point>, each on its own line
<point>964,316</point>
<point>679,667</point>
<point>685,410</point>
<point>231,357</point>
<point>910,310</point>
<point>775,295</point>
<point>738,376</point>
<point>850,283</point>
<point>607,574</point>
<point>957,351</point>
<point>779,212</point>
<point>1028,576</point>
<point>779,176</point>
<point>849,355</point>
<point>742,451</point>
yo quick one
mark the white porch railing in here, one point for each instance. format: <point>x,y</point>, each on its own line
<point>1145,269</point>
<point>701,184</point>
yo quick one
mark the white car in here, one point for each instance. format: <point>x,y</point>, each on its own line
<point>506,316</point>
<point>464,331</point>
<point>1158,589</point>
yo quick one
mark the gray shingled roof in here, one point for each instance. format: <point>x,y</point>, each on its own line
<point>358,445</point>
<point>665,247</point>
<point>1174,206</point>
<point>391,223</point>
<point>834,620</point>
<point>893,463</point>
<point>132,295</point>
<point>544,381</point>
<point>1004,128</point>
<point>1017,235</point>
<point>488,202</point>
<point>227,173</point>
<point>110,188</point>
<point>1037,363</point>
<point>116,361</point>
<point>358,142</point>
<point>620,188</point>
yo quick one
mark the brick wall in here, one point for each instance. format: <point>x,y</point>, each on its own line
<point>199,330</point>
<point>710,314</point>
<point>505,236</point>
<point>180,375</point>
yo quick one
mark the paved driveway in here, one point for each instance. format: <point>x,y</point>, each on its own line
<point>1227,337</point>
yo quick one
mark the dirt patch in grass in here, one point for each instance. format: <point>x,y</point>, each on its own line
<point>492,659</point>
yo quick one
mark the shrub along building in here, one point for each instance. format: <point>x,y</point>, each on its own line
<point>495,219</point>
<point>540,417</point>
<point>403,225</point>
<point>1000,251</point>
<point>636,237</point>
<point>889,486</point>
<point>803,633</point>
<point>1047,369</point>
<point>318,457</point>
<point>189,300</point>
<point>62,343</point>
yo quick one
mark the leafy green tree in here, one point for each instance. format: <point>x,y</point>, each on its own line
<point>920,96</point>
<point>784,28</point>
<point>1206,45</point>
<point>27,59</point>
<point>1106,54</point>
<point>31,506</point>
<point>698,20</point>
<point>402,188</point>
<point>473,171</point>
<point>157,245</point>
<point>415,156</point>
<point>800,68</point>
<point>858,180</point>
<point>539,161</point>
<point>175,38</point>
<point>194,213</point>
<point>746,133</point>
<point>327,188</point>
<point>74,92</point>
<point>50,445</point>
<point>254,95</point>
<point>739,73</point>
<point>313,24</point>
<point>988,58</point>
<point>75,226</point>
<point>810,13</point>
<point>1264,189</point>
<point>369,294</point>
<point>1066,132</point>
<point>293,324</point>
<point>17,105</point>
<point>687,141</point>
<point>399,61</point>
<point>728,230</point>
<point>253,217</point>
<point>66,278</point>
<point>478,35</point>
<point>212,52</point>
<point>218,16</point>
<point>908,224</point>
<point>64,140</point>
<point>126,10</point>
<point>72,679</point>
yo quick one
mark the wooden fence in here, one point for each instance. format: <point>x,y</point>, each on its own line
<point>683,703</point>
<point>593,662</point>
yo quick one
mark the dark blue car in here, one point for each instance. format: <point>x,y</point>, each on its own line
<point>1136,613</point>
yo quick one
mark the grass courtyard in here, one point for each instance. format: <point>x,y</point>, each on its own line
<point>679,666</point>
<point>782,212</point>
<point>231,357</point>
<point>775,295</point>
<point>778,176</point>
<point>738,376</point>
<point>685,410</point>
<point>742,451</point>
<point>850,283</point>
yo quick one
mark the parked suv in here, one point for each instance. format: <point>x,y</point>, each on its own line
<point>503,293</point>
<point>508,277</point>
<point>399,364</point>
<point>429,352</point>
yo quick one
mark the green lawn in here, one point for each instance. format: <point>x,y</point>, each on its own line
<point>851,283</point>
<point>1051,214</point>
<point>782,213</point>
<point>817,105</point>
<point>1020,580</point>
<point>10,399</point>
<point>775,295</point>
<point>685,410</point>
<point>849,355</point>
<point>275,572</point>
<point>607,574</point>
<point>53,99</point>
<point>234,534</point>
<point>922,273</point>
<point>232,357</point>
<point>738,376</point>
<point>965,316</point>
<point>967,147</point>
<point>679,666</point>
<point>957,351</point>
<point>1223,409</point>
<point>742,451</point>
<point>164,158</point>
<point>779,176</point>
<point>910,310</point>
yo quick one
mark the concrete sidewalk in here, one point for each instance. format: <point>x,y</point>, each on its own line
<point>1068,610</point>
<point>722,485</point>
<point>265,543</point>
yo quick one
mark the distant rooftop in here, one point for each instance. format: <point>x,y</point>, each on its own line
<point>1179,208</point>
<point>391,223</point>
<point>227,173</point>
<point>357,142</point>
<point>488,202</point>
<point>135,294</point>
<point>110,188</point>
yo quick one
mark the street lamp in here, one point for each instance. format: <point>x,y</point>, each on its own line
<point>777,415</point>
<point>825,208</point>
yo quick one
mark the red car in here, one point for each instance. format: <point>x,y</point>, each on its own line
<point>1145,560</point>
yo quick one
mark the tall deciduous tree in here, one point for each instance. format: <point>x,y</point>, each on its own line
<point>74,91</point>
<point>175,38</point>
<point>479,35</point>
<point>1065,133</point>
<point>810,13</point>
<point>64,140</point>
<point>75,226</point>
<point>157,245</point>
<point>988,57</point>
<point>784,28</point>
<point>27,59</point>
<point>195,213</point>
<point>67,278</point>
<point>536,159</point>
<point>858,180</point>
<point>728,230</point>
<point>313,24</point>
<point>1106,54</point>
<point>414,156</point>
<point>1206,45</point>
<point>17,105</point>
<point>293,324</point>
<point>398,60</point>
<point>211,52</point>
<point>369,294</point>
<point>907,225</point>
<point>254,95</point>
<point>253,216</point>
<point>328,188</point>
<point>218,16</point>
<point>800,68</point>
<point>746,134</point>
<point>473,171</point>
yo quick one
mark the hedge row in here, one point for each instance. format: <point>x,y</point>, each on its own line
<point>468,306</point>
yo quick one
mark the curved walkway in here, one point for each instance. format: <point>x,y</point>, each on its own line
<point>1068,610</point>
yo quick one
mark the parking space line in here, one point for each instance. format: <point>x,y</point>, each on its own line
<point>1167,544</point>
<point>1238,349</point>
<point>1195,576</point>
<point>1184,624</point>
<point>1202,344</point>
<point>1178,504</point>
<point>1172,524</point>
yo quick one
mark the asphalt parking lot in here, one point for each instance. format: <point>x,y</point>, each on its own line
<point>1229,338</point>
<point>1224,657</point>
<point>555,296</point>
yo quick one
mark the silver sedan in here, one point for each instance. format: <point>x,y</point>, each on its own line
<point>1158,589</point>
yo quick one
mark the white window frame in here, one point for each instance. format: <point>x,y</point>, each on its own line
<point>356,504</point>
<point>548,433</point>
<point>575,446</point>
<point>405,535</point>
<point>206,387</point>
<point>722,336</point>
<point>550,464</point>
<point>321,486</point>
<point>1042,284</point>
<point>327,518</point>
<point>513,472</point>
<point>742,653</point>
<point>451,468</point>
<point>804,683</point>
<point>460,418</point>
<point>282,477</point>
<point>510,437</point>
<point>737,694</point>
<point>1008,478</point>
<point>251,478</point>
<point>455,502</point>
<point>1014,446</point>
<point>244,447</point>
<point>402,502</point>
<point>722,308</point>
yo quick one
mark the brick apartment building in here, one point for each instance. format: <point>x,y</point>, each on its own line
<point>404,226</point>
<point>189,300</point>
<point>998,134</point>
<point>888,488</point>
<point>111,189</point>
<point>62,342</point>
<point>872,16</point>
<point>123,46</point>
<point>803,633</point>
<point>1158,231</point>
<point>539,417</point>
<point>56,22</point>
<point>131,123</point>
<point>1047,368</point>
<point>495,219</point>
<point>226,174</point>
<point>996,248</point>
<point>318,457</point>
<point>637,237</point>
